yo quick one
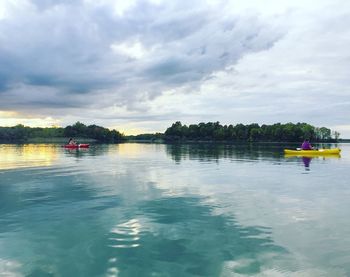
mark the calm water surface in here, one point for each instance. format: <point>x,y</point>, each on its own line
<point>172,210</point>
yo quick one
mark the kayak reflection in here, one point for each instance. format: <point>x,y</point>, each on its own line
<point>306,159</point>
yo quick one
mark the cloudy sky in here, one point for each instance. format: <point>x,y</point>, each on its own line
<point>138,66</point>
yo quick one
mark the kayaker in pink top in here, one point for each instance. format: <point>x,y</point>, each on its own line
<point>306,145</point>
<point>72,142</point>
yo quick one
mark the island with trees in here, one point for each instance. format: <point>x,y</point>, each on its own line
<point>214,131</point>
<point>20,133</point>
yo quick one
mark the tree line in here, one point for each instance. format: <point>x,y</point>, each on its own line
<point>211,131</point>
<point>21,133</point>
<point>214,131</point>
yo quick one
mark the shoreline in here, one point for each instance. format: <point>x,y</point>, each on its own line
<point>160,141</point>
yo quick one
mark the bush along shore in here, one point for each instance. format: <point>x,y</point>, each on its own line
<point>177,132</point>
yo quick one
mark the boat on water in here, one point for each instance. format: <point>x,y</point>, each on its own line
<point>314,152</point>
<point>76,146</point>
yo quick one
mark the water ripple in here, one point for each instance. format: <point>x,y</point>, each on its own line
<point>125,235</point>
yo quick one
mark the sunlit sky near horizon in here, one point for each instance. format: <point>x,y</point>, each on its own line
<point>139,66</point>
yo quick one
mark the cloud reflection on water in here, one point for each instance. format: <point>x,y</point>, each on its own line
<point>63,226</point>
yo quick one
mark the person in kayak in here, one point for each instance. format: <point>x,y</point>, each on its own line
<point>306,145</point>
<point>72,142</point>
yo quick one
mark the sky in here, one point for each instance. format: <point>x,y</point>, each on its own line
<point>140,65</point>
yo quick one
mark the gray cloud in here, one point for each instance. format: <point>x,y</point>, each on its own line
<point>67,45</point>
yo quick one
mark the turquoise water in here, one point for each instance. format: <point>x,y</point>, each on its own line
<point>172,210</point>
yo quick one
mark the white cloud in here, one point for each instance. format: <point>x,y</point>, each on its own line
<point>119,8</point>
<point>133,50</point>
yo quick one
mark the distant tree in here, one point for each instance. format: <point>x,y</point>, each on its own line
<point>336,135</point>
<point>175,131</point>
<point>241,132</point>
<point>323,134</point>
<point>255,134</point>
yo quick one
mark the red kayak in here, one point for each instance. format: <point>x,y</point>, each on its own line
<point>76,146</point>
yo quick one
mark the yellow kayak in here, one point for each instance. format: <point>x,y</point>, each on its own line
<point>321,152</point>
<point>327,156</point>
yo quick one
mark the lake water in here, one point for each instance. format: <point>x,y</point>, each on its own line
<point>173,210</point>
